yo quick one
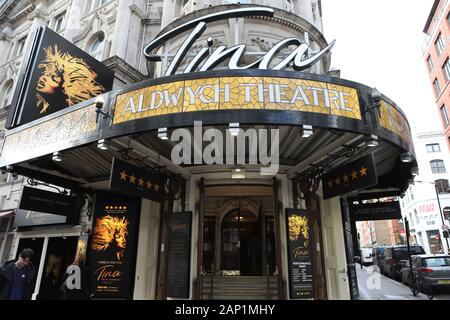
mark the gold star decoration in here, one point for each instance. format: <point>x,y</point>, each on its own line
<point>132,179</point>
<point>363,171</point>
<point>123,175</point>
<point>149,184</point>
<point>338,181</point>
<point>156,187</point>
<point>330,184</point>
<point>346,176</point>
<point>141,182</point>
<point>354,175</point>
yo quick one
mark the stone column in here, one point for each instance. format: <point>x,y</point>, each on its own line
<point>4,44</point>
<point>304,10</point>
<point>121,29</point>
<point>168,13</point>
<point>73,23</point>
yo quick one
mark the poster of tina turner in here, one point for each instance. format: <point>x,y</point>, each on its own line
<point>113,245</point>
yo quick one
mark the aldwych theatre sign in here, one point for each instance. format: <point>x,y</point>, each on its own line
<point>302,57</point>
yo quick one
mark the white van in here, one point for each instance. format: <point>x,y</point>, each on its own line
<point>367,258</point>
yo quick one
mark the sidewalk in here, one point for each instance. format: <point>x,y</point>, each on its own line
<point>374,286</point>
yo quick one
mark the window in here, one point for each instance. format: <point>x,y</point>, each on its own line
<point>445,115</point>
<point>440,44</point>
<point>7,95</point>
<point>416,216</point>
<point>59,22</point>
<point>442,186</point>
<point>411,220</point>
<point>21,45</point>
<point>434,147</point>
<point>437,87</point>
<point>447,69</point>
<point>97,46</point>
<point>437,166</point>
<point>430,63</point>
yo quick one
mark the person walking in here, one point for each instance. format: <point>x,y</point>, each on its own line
<point>16,277</point>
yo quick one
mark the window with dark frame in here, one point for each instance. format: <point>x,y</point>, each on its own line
<point>59,22</point>
<point>440,44</point>
<point>430,63</point>
<point>446,69</point>
<point>21,45</point>
<point>437,87</point>
<point>445,115</point>
<point>434,147</point>
<point>437,166</point>
<point>442,186</point>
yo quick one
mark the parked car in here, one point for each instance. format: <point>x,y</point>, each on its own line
<point>430,270</point>
<point>395,257</point>
<point>377,255</point>
<point>366,256</point>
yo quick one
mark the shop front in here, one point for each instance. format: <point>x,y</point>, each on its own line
<point>235,168</point>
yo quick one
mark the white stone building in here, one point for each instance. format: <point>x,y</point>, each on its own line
<point>420,204</point>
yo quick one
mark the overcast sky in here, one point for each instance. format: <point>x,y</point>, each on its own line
<point>378,43</point>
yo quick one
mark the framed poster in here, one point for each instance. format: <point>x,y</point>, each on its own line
<point>299,254</point>
<point>178,273</point>
<point>113,244</point>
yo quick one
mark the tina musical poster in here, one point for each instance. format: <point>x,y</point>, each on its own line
<point>113,245</point>
<point>300,254</point>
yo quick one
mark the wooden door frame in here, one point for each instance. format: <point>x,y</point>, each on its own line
<point>277,228</point>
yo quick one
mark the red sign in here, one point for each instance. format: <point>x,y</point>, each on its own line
<point>426,208</point>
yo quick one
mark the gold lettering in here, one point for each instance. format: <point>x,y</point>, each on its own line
<point>300,252</point>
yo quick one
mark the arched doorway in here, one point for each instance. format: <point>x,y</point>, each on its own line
<point>241,244</point>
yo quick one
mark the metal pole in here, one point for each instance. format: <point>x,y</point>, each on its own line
<point>441,214</point>
<point>407,244</point>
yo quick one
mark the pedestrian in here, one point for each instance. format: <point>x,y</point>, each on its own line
<point>16,277</point>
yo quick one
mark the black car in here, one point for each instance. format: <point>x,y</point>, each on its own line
<point>395,257</point>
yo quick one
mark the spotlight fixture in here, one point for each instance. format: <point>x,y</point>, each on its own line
<point>99,102</point>
<point>103,144</point>
<point>57,156</point>
<point>415,171</point>
<point>406,157</point>
<point>234,129</point>
<point>306,131</point>
<point>238,173</point>
<point>162,134</point>
<point>373,141</point>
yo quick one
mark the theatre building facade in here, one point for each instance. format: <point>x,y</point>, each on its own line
<point>191,150</point>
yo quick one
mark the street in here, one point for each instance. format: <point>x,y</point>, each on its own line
<point>374,286</point>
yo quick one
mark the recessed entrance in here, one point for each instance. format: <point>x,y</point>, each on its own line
<point>239,242</point>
